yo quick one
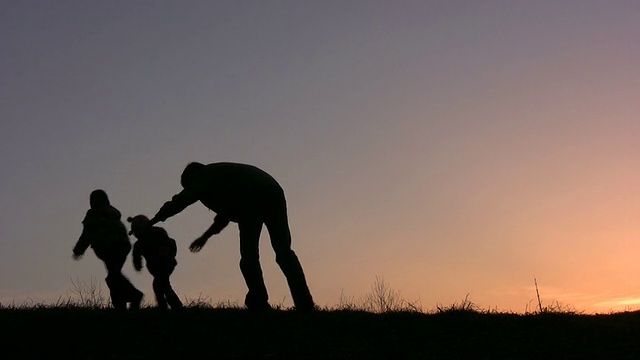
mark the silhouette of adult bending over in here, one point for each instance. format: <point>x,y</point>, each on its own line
<point>250,197</point>
<point>107,235</point>
<point>159,252</point>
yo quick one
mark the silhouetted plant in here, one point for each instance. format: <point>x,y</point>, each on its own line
<point>207,303</point>
<point>463,306</point>
<point>347,303</point>
<point>381,299</point>
<point>554,308</point>
<point>28,303</point>
<point>200,302</point>
<point>88,295</point>
<point>280,305</point>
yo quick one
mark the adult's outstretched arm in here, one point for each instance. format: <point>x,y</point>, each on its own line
<point>178,203</point>
<point>219,223</point>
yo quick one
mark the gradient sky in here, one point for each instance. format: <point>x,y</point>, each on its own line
<point>452,147</point>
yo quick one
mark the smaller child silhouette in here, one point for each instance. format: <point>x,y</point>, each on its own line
<point>159,251</point>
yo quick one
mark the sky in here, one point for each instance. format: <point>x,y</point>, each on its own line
<point>455,149</point>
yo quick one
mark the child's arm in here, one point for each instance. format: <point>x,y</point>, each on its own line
<point>137,256</point>
<point>81,246</point>
<point>83,242</point>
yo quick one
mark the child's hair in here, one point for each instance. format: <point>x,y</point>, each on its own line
<point>138,223</point>
<point>98,199</point>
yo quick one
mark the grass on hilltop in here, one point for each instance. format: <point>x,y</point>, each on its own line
<point>379,325</point>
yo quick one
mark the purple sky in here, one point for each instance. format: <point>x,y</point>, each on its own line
<point>452,147</point>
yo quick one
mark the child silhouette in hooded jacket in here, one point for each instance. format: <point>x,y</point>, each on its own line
<point>159,251</point>
<point>106,234</point>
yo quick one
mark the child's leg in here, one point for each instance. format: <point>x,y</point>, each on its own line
<point>172,297</point>
<point>117,299</point>
<point>163,286</point>
<point>122,290</point>
<point>159,291</point>
<point>134,296</point>
<point>115,283</point>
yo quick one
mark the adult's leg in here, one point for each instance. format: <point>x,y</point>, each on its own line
<point>257,297</point>
<point>278,227</point>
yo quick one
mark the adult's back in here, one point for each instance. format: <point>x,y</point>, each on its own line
<point>234,190</point>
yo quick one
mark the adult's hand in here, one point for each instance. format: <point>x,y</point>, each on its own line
<point>198,244</point>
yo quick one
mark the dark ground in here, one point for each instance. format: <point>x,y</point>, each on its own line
<point>196,333</point>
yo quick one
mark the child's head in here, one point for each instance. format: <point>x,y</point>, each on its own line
<point>140,224</point>
<point>98,199</point>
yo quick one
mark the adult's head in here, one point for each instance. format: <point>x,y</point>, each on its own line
<point>191,173</point>
<point>98,199</point>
